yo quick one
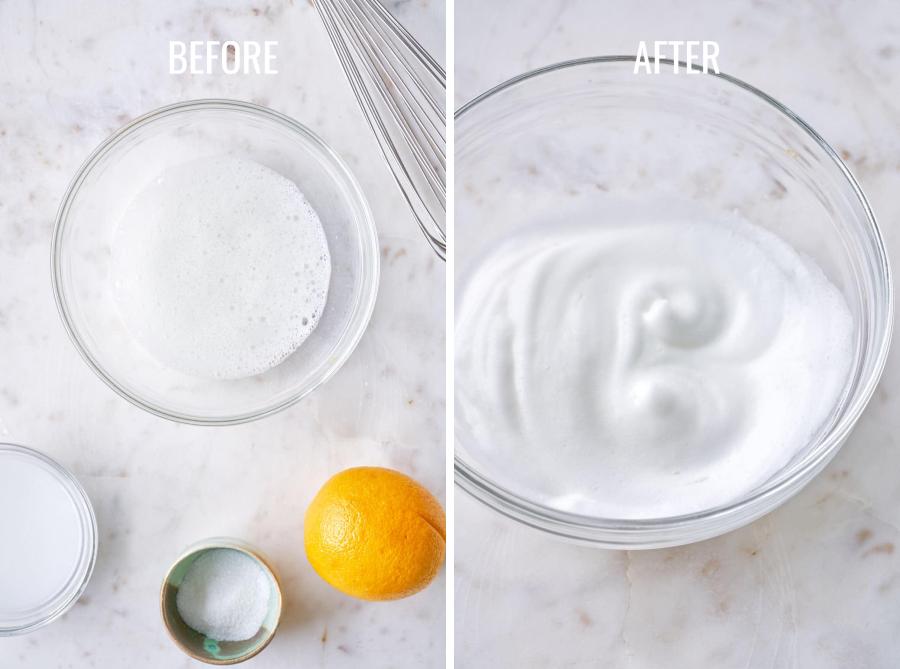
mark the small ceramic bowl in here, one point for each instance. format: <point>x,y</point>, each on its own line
<point>199,646</point>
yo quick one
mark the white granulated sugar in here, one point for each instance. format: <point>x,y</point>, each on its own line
<point>220,268</point>
<point>224,595</point>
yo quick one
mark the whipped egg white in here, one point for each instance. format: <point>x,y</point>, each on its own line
<point>646,370</point>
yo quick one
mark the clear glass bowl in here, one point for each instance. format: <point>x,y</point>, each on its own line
<point>64,492</point>
<point>121,167</point>
<point>703,143</point>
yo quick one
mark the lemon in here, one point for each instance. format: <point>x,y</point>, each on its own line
<point>375,534</point>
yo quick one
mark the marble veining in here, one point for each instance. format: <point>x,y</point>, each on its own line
<point>812,585</point>
<point>71,73</point>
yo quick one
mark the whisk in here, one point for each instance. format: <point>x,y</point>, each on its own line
<point>402,91</point>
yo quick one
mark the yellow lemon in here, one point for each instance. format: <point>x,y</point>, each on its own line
<point>375,534</point>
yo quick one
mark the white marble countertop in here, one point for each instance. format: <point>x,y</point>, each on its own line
<point>813,585</point>
<point>71,73</point>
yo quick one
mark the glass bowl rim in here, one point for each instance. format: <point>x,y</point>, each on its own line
<point>688,528</point>
<point>89,529</point>
<point>371,260</point>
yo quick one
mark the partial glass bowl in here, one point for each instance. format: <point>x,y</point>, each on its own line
<point>588,130</point>
<point>53,492</point>
<point>121,167</point>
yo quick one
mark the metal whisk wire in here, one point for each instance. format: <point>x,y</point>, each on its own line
<point>402,92</point>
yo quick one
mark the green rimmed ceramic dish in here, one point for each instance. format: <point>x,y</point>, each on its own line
<point>199,646</point>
